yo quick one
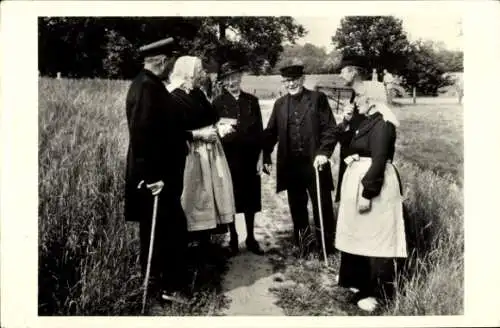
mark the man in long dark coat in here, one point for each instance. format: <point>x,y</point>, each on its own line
<point>242,148</point>
<point>303,123</point>
<point>155,166</point>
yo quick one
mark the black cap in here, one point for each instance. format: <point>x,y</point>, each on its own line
<point>161,47</point>
<point>229,68</point>
<point>294,69</point>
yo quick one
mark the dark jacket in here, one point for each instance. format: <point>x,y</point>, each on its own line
<point>345,133</point>
<point>157,144</point>
<point>242,147</point>
<point>375,138</point>
<point>318,125</point>
<point>197,112</point>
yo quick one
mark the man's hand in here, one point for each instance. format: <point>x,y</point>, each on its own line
<point>155,187</point>
<point>267,168</point>
<point>348,112</point>
<point>260,165</point>
<point>319,161</point>
<point>208,134</point>
<point>364,205</point>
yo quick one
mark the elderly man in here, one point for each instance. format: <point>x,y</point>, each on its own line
<point>155,166</point>
<point>303,123</point>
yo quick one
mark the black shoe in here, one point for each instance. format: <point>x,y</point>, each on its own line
<point>253,246</point>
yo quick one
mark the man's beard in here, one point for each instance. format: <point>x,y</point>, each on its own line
<point>295,90</point>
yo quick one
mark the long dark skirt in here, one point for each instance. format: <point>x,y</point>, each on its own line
<point>373,276</point>
<point>246,182</point>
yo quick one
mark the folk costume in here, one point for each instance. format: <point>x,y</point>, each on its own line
<point>305,127</point>
<point>207,198</point>
<point>157,151</point>
<point>371,242</point>
<point>242,149</point>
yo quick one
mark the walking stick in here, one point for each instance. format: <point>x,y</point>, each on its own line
<point>321,216</point>
<point>150,254</point>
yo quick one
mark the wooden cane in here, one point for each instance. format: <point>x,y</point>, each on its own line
<point>150,254</point>
<point>320,211</point>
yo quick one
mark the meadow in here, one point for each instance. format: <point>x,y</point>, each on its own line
<point>88,255</point>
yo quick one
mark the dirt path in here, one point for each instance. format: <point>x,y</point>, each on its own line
<point>249,277</point>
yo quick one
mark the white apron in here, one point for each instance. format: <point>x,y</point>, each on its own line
<point>379,232</point>
<point>207,198</point>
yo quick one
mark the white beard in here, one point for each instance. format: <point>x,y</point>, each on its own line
<point>294,91</point>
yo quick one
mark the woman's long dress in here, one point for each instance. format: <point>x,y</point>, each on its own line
<point>370,242</point>
<point>207,198</point>
<point>242,148</point>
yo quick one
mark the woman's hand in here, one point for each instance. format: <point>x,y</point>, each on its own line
<point>225,129</point>
<point>208,134</point>
<point>364,205</point>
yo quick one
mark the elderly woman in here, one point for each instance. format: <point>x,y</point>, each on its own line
<point>207,198</point>
<point>370,227</point>
<point>242,148</point>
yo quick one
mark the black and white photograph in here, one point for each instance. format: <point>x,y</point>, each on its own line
<point>251,165</point>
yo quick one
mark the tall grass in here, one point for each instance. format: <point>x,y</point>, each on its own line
<point>433,281</point>
<point>88,254</point>
<point>88,257</point>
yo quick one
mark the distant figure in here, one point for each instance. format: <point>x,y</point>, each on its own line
<point>388,83</point>
<point>58,75</point>
<point>374,75</point>
<point>459,84</point>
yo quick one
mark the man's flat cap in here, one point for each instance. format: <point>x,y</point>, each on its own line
<point>293,69</point>
<point>161,47</point>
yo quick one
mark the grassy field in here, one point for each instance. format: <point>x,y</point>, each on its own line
<point>270,87</point>
<point>88,255</point>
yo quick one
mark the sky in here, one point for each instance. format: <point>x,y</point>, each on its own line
<point>443,28</point>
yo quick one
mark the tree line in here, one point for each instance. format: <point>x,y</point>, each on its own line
<point>107,46</point>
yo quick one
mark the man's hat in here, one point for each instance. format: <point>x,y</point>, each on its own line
<point>294,69</point>
<point>161,47</point>
<point>229,68</point>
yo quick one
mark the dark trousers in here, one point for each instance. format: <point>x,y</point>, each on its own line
<point>168,264</point>
<point>302,181</point>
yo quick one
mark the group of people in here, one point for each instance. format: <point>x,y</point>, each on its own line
<point>203,161</point>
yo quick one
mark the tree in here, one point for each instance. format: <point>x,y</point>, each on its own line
<point>253,41</point>
<point>106,46</point>
<point>312,56</point>
<point>379,40</point>
<point>424,71</point>
<point>452,61</point>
